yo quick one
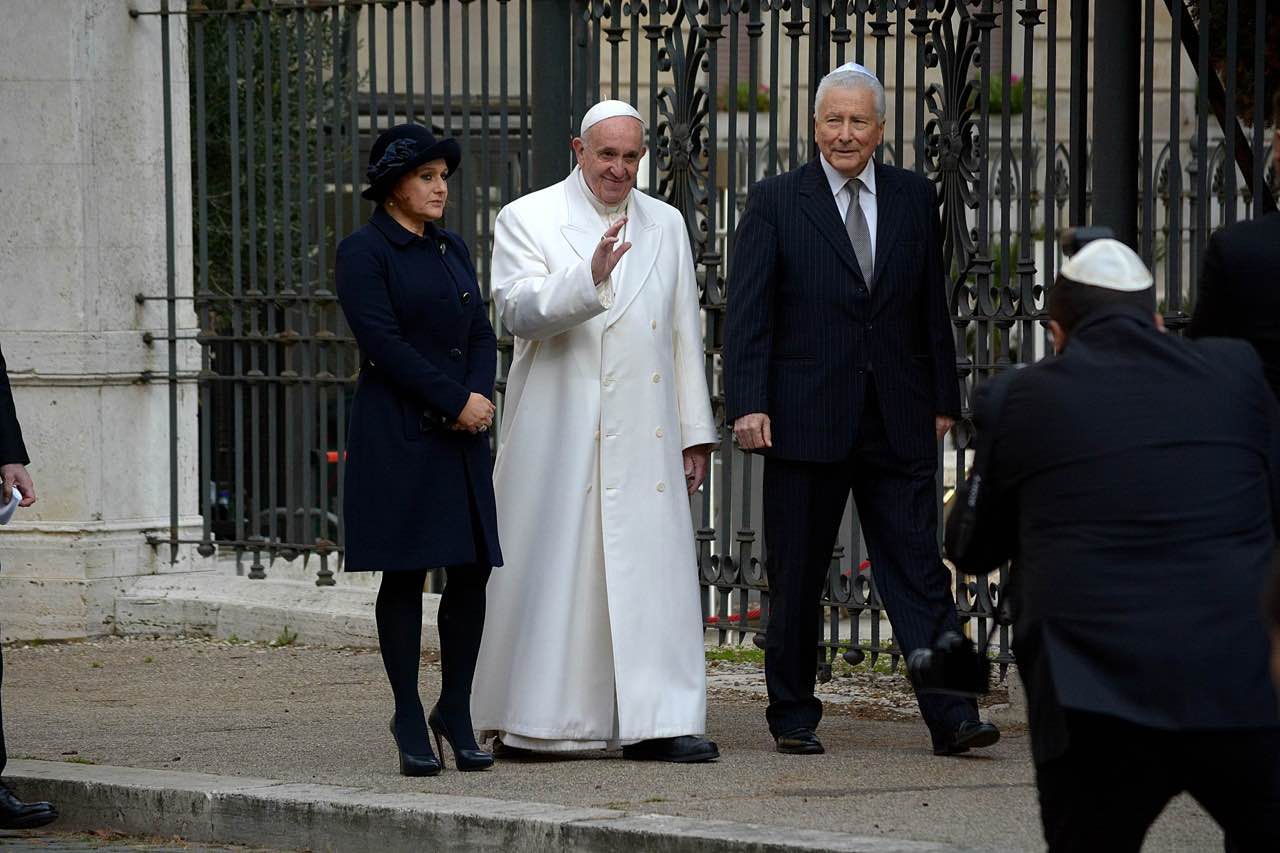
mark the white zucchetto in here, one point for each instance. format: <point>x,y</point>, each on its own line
<point>1108,264</point>
<point>608,109</point>
<point>854,67</point>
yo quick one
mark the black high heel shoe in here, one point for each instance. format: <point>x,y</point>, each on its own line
<point>415,765</point>
<point>465,758</point>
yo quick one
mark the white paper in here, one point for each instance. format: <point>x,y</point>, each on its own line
<point>6,512</point>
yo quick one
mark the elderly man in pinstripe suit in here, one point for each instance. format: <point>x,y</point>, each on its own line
<point>840,371</point>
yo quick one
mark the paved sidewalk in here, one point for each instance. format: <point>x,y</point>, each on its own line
<point>312,715</point>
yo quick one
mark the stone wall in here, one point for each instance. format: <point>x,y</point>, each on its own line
<point>82,231</point>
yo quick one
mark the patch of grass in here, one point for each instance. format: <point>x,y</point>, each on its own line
<point>737,654</point>
<point>285,637</point>
<point>78,759</point>
<point>882,666</point>
<point>96,664</point>
<point>654,800</point>
<point>148,659</point>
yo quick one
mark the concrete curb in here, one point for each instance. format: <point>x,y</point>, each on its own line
<point>220,604</point>
<point>234,810</point>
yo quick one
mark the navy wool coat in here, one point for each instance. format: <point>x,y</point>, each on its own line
<point>418,494</point>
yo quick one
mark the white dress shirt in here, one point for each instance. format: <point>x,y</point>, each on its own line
<point>866,197</point>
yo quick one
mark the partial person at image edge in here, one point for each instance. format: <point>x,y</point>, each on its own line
<point>1133,481</point>
<point>14,813</point>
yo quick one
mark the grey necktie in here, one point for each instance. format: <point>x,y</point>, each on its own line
<point>855,222</point>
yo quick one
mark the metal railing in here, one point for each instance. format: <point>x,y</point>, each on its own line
<point>287,97</point>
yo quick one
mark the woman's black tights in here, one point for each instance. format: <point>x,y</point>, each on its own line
<point>461,622</point>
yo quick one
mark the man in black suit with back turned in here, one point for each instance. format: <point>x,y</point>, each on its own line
<point>1134,481</point>
<point>14,813</point>
<point>1239,292</point>
<point>840,370</point>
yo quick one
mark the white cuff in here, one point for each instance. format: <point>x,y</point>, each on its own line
<point>604,292</point>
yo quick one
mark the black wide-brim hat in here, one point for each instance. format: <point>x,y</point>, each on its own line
<point>401,149</point>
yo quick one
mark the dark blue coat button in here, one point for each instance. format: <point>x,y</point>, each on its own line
<point>466,296</point>
<point>455,354</point>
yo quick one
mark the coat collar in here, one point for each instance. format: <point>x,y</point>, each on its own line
<point>1095,321</point>
<point>582,231</point>
<point>396,233</point>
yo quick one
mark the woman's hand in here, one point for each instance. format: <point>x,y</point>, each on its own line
<point>476,416</point>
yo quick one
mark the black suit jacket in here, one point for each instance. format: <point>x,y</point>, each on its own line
<point>1133,481</point>
<point>804,334</point>
<point>11,447</point>
<point>1239,293</point>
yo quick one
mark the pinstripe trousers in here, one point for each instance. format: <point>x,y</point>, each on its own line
<point>897,506</point>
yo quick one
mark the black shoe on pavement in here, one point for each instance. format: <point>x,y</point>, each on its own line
<point>15,814</point>
<point>971,734</point>
<point>501,750</point>
<point>686,749</point>
<point>799,742</point>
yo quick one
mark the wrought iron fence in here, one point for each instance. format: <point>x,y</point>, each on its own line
<point>287,97</point>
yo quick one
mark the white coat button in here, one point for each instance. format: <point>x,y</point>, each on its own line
<point>658,432</point>
<point>662,487</point>
<point>597,435</point>
<point>653,324</point>
<point>608,380</point>
<point>588,490</point>
<point>657,377</point>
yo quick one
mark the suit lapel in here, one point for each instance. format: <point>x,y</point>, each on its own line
<point>581,230</point>
<point>820,207</point>
<point>646,239</point>
<point>888,219</point>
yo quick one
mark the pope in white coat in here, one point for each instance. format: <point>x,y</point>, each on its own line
<point>594,633</point>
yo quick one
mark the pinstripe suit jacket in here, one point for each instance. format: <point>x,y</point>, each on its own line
<point>804,333</point>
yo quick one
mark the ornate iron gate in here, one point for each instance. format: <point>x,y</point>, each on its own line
<point>286,98</point>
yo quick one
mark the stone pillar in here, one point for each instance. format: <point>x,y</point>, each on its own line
<point>82,232</point>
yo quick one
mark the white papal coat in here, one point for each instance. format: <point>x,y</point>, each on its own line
<point>600,589</point>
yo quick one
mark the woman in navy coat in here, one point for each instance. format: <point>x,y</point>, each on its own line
<point>419,489</point>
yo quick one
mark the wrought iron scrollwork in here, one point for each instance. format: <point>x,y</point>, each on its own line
<point>684,145</point>
<point>953,133</point>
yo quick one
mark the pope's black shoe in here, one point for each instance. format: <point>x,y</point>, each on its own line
<point>15,814</point>
<point>799,742</point>
<point>501,750</point>
<point>971,734</point>
<point>686,749</point>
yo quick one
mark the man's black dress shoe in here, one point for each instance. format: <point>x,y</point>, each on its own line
<point>799,742</point>
<point>971,734</point>
<point>501,750</point>
<point>15,814</point>
<point>685,749</point>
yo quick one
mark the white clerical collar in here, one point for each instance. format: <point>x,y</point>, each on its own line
<point>609,212</point>
<point>837,180</point>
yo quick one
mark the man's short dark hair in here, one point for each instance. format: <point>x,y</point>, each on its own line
<point>1070,301</point>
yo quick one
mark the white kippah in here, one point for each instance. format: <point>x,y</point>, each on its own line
<point>608,109</point>
<point>855,68</point>
<point>1108,264</point>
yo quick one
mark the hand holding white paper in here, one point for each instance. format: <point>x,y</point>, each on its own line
<point>6,511</point>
